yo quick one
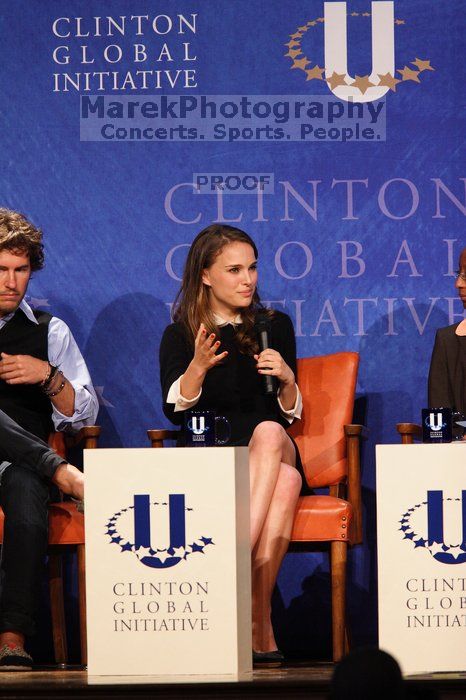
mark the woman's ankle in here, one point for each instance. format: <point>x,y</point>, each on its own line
<point>263,638</point>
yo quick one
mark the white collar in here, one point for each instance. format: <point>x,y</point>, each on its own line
<point>28,312</point>
<point>221,322</point>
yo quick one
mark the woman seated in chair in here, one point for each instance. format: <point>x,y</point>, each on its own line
<point>209,358</point>
<point>447,375</point>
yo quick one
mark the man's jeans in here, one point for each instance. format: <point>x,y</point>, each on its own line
<point>24,497</point>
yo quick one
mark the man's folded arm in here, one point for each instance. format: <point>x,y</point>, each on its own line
<point>64,353</point>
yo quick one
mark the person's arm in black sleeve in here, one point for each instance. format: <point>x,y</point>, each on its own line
<point>175,356</point>
<point>439,385</point>
<point>284,341</point>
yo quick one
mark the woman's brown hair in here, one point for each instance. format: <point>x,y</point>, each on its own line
<point>191,307</point>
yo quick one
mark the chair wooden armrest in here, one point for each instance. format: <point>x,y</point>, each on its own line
<point>355,430</point>
<point>87,437</point>
<point>157,437</point>
<point>408,432</point>
<point>353,434</point>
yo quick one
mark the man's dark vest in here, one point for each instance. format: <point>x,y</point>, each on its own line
<point>26,403</point>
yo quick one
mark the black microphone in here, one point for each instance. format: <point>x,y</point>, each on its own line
<point>262,328</point>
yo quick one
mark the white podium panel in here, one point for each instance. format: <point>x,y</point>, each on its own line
<point>168,572</point>
<point>421,540</point>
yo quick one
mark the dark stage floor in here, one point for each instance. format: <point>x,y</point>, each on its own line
<point>310,680</point>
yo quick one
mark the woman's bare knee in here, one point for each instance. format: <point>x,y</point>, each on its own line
<point>268,434</point>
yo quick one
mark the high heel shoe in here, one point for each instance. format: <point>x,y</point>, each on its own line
<point>268,657</point>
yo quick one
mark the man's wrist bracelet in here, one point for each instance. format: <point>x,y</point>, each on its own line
<point>49,378</point>
<point>45,380</point>
<point>49,389</point>
<point>51,394</point>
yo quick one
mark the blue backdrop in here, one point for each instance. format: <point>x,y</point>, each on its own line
<point>358,241</point>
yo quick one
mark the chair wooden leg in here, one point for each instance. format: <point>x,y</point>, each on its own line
<point>338,556</point>
<point>57,608</point>
<point>82,602</point>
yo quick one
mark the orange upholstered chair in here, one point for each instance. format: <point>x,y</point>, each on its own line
<point>66,533</point>
<point>329,449</point>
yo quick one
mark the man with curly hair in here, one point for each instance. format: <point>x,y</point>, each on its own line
<point>44,386</point>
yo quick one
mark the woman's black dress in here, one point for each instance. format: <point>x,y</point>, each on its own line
<point>447,374</point>
<point>233,388</point>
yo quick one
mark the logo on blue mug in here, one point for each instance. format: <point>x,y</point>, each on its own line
<point>435,421</point>
<point>197,425</point>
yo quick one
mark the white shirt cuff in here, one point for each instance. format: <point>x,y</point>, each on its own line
<point>175,396</point>
<point>292,413</point>
<point>85,411</point>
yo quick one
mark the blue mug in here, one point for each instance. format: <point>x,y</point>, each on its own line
<point>201,429</point>
<point>437,425</point>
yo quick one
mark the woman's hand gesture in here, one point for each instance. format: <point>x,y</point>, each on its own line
<point>205,348</point>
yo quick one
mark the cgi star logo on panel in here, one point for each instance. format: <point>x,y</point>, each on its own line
<point>132,529</point>
<point>438,525</point>
<point>359,88</point>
